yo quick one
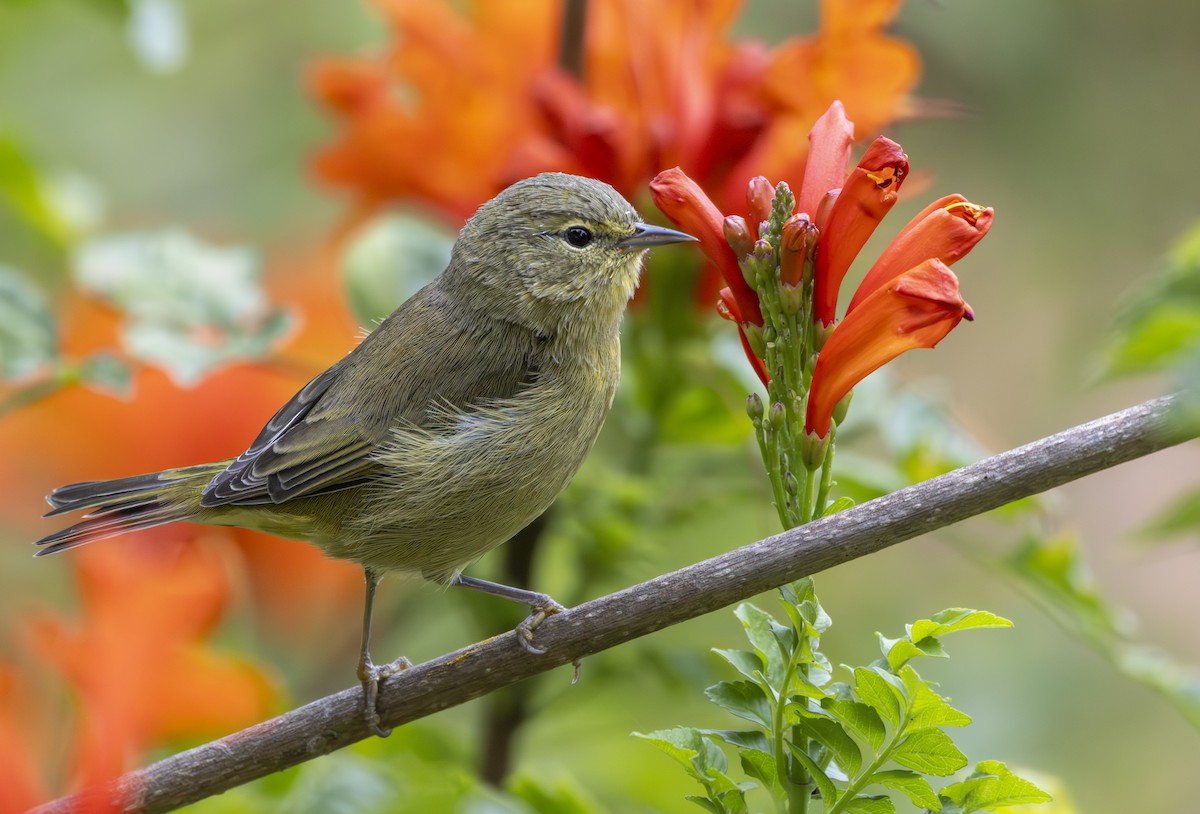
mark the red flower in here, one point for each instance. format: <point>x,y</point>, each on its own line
<point>908,299</point>
<point>867,195</point>
<point>946,229</point>
<point>915,309</point>
<point>681,199</point>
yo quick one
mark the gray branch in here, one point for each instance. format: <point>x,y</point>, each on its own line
<point>336,721</point>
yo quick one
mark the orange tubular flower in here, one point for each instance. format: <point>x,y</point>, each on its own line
<point>946,229</point>
<point>915,309</point>
<point>868,194</point>
<point>681,199</point>
<point>470,96</point>
<point>828,156</point>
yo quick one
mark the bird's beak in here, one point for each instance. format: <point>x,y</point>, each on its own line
<point>644,236</point>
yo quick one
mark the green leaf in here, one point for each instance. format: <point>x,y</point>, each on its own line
<point>389,259</point>
<point>685,745</point>
<point>858,719</point>
<point>107,371</point>
<point>928,709</point>
<point>875,691</point>
<point>24,190</point>
<point>870,805</point>
<point>929,751</point>
<point>898,652</point>
<point>754,739</point>
<point>993,786</point>
<point>27,327</point>
<point>911,784</point>
<point>744,699</point>
<point>1160,323</point>
<point>839,505</point>
<point>1181,516</point>
<point>829,733</point>
<point>758,627</point>
<point>706,804</point>
<point>761,766</point>
<point>189,307</point>
<point>953,620</point>
<point>829,792</point>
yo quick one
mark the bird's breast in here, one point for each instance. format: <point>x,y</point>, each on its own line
<point>451,492</point>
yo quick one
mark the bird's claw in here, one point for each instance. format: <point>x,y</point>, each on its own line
<point>545,607</point>
<point>370,675</point>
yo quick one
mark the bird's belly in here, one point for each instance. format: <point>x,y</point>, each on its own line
<point>449,497</point>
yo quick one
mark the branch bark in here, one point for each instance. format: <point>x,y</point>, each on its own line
<point>335,721</point>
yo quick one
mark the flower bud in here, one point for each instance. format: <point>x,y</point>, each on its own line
<point>777,417</point>
<point>796,249</point>
<point>813,449</point>
<point>791,297</point>
<point>759,194</point>
<point>754,408</point>
<point>754,338</point>
<point>737,234</point>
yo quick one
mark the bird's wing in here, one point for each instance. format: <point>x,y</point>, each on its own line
<point>420,363</point>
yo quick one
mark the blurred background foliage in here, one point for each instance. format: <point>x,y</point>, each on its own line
<point>152,133</point>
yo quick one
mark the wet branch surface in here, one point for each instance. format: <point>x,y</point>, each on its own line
<point>335,721</point>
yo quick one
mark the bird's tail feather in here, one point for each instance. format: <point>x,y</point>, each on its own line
<point>126,504</point>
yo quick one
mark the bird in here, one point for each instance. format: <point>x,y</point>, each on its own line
<point>450,427</point>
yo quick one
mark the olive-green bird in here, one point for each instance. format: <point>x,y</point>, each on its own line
<point>449,428</point>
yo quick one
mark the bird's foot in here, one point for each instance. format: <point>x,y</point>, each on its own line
<point>543,607</point>
<point>370,675</point>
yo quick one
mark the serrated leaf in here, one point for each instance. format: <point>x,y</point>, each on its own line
<point>188,306</point>
<point>741,738</point>
<point>682,743</point>
<point>829,792</point>
<point>993,786</point>
<point>829,733</point>
<point>929,709</point>
<point>706,804</point>
<point>953,620</point>
<point>859,719</point>
<point>761,766</point>
<point>898,652</point>
<point>929,751</point>
<point>757,624</point>
<point>744,699</point>
<point>27,327</point>
<point>912,785</point>
<point>870,805</point>
<point>873,690</point>
<point>745,662</point>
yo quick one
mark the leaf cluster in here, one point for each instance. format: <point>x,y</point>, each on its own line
<point>848,743</point>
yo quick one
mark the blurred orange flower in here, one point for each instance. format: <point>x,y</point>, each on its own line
<point>463,103</point>
<point>137,659</point>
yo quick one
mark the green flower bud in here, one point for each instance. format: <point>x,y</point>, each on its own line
<point>813,449</point>
<point>754,408</point>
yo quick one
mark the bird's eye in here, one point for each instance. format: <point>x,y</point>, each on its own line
<point>578,236</point>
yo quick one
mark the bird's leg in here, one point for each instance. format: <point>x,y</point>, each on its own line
<point>369,673</point>
<point>540,606</point>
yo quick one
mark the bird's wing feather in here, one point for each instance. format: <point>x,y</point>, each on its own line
<point>422,361</point>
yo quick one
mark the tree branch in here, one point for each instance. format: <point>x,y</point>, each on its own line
<point>336,721</point>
